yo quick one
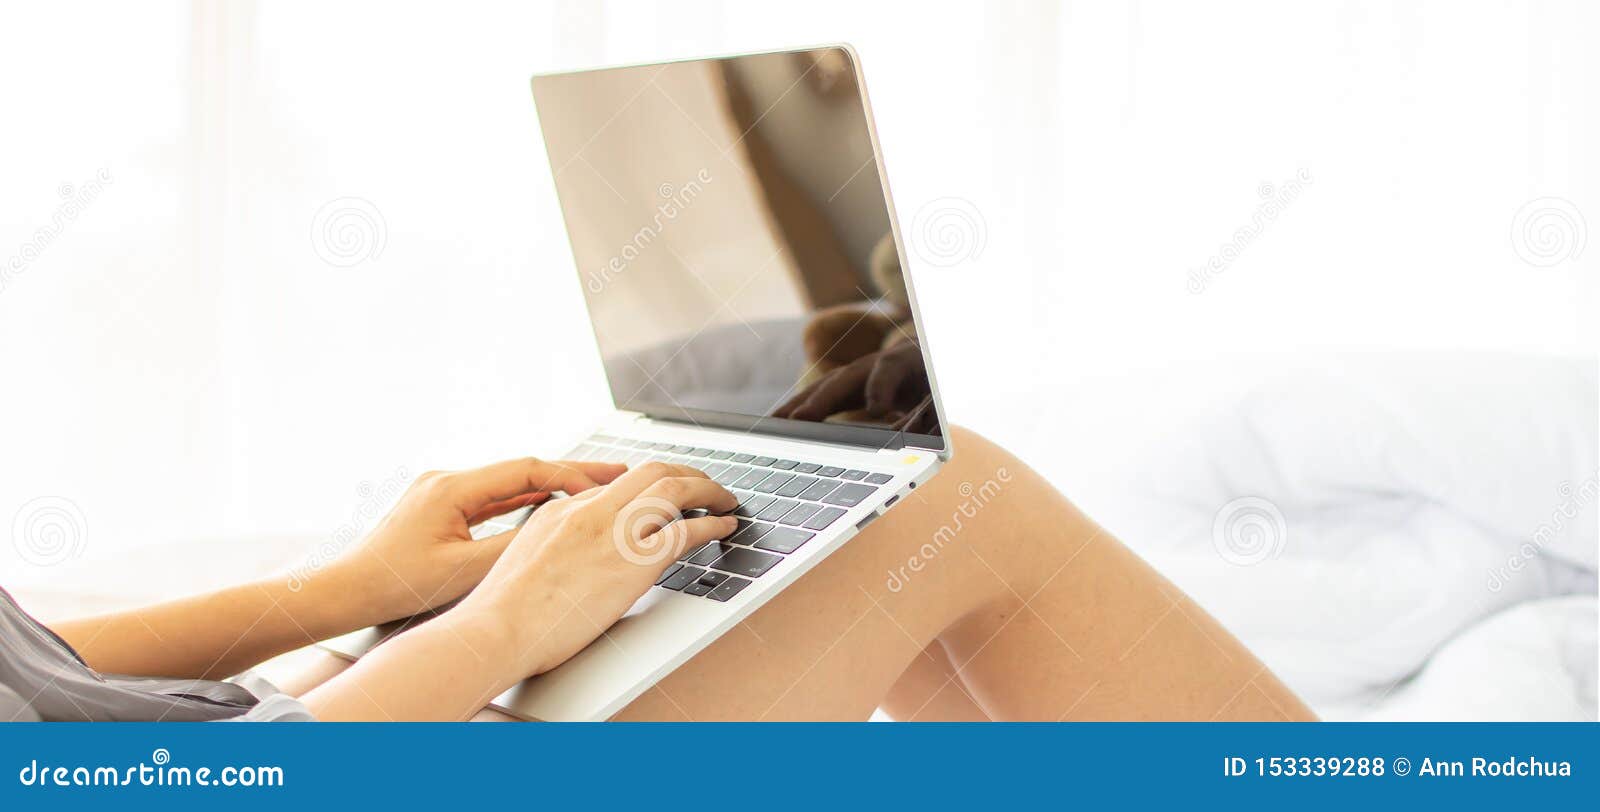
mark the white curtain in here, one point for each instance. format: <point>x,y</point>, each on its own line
<point>308,246</point>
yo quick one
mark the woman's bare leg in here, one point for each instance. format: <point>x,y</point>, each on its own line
<point>1040,613</point>
<point>985,594</point>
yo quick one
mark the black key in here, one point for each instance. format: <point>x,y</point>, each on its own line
<point>763,461</point>
<point>753,479</point>
<point>772,483</point>
<point>824,517</point>
<point>721,455</point>
<point>683,578</point>
<point>829,470</point>
<point>801,513</point>
<point>730,475</point>
<point>853,475</point>
<point>784,539</point>
<point>818,489</point>
<point>660,446</point>
<point>681,449</point>
<point>694,513</point>
<point>806,467</point>
<point>774,511</point>
<point>602,438</point>
<point>748,508</point>
<point>796,486</point>
<point>669,573</point>
<point>728,589</point>
<point>707,554</point>
<point>705,583</point>
<point>848,495</point>
<point>748,534</point>
<point>746,562</point>
<point>714,468</point>
<point>879,479</point>
<point>699,452</point>
<point>784,465</point>
<point>743,457</point>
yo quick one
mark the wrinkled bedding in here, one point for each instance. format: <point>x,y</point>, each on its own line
<point>1398,536</point>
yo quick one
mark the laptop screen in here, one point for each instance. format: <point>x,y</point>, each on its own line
<point>733,237</point>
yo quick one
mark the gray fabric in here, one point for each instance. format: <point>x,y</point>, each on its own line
<point>42,678</point>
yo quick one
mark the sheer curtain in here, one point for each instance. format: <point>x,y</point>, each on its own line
<point>325,254</point>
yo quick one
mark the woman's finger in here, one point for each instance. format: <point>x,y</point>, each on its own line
<point>836,392</point>
<point>886,378</point>
<point>470,491</point>
<point>628,486</point>
<point>682,536</point>
<point>505,506</point>
<point>600,472</point>
<point>799,397</point>
<point>687,493</point>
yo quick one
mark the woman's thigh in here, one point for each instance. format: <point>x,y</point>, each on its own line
<point>836,643</point>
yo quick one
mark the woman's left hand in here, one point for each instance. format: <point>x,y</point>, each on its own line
<point>422,555</point>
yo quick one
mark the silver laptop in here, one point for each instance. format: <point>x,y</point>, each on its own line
<point>747,285</point>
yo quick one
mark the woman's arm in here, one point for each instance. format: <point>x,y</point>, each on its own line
<point>214,635</point>
<point>571,572</point>
<point>420,557</point>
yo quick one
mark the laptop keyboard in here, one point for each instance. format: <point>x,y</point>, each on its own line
<point>782,505</point>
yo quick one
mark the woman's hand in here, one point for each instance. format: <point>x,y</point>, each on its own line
<point>579,563</point>
<point>422,554</point>
<point>880,383</point>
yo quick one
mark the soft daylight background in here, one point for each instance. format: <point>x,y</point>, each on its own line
<point>1333,257</point>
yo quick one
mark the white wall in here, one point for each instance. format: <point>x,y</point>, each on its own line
<point>184,359</point>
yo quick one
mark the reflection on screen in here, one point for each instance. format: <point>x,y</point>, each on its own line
<point>730,227</point>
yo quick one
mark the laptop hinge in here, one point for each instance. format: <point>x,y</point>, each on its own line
<point>669,420</point>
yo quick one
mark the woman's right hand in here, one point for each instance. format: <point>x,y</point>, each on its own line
<point>580,562</point>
